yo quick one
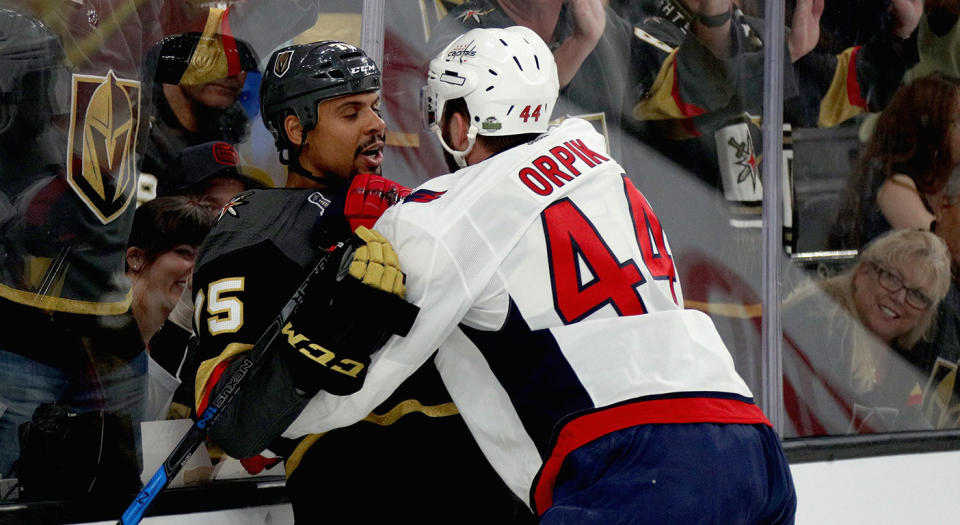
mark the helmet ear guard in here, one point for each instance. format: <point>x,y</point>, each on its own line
<point>433,103</point>
<point>456,84</point>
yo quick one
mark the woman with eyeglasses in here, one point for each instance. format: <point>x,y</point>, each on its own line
<point>851,359</point>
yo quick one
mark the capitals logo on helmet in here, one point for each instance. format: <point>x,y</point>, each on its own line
<point>507,77</point>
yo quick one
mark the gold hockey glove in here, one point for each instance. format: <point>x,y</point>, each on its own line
<point>375,263</point>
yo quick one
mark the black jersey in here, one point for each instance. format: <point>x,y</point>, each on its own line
<point>266,241</point>
<point>412,457</point>
<point>261,248</point>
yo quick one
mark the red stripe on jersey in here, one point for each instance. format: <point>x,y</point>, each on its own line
<point>230,46</point>
<point>854,97</point>
<point>689,110</point>
<point>584,429</point>
<point>690,128</point>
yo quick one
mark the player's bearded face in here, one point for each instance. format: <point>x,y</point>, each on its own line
<point>348,138</point>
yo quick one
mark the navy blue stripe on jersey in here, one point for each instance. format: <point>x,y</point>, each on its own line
<point>529,365</point>
<point>424,196</point>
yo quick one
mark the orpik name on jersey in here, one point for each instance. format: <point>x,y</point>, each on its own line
<point>549,296</point>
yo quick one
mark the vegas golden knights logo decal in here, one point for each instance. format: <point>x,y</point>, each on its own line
<point>282,65</point>
<point>103,130</point>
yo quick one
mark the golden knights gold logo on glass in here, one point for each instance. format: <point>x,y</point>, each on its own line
<point>103,133</point>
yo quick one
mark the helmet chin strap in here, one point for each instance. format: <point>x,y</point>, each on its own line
<point>459,156</point>
<point>293,164</point>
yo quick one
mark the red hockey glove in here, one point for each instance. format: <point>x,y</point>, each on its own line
<point>367,198</point>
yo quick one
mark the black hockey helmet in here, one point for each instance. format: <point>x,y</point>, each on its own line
<point>34,75</point>
<point>298,78</point>
<point>196,58</point>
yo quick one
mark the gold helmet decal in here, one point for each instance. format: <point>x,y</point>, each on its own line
<point>101,165</point>
<point>208,62</point>
<point>215,56</point>
<point>282,64</point>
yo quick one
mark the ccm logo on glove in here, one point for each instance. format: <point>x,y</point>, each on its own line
<point>319,354</point>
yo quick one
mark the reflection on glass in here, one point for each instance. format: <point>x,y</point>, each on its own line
<point>856,358</point>
<point>68,185</point>
<point>82,144</point>
<point>107,104</point>
<point>911,151</point>
<point>192,84</point>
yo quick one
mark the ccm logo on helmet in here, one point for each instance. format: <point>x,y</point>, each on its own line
<point>546,173</point>
<point>366,68</point>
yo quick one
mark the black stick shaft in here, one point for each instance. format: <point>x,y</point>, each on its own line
<point>198,431</point>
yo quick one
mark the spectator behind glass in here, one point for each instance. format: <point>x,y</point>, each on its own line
<point>713,134</point>
<point>192,82</point>
<point>210,171</point>
<point>942,402</point>
<point>601,65</point>
<point>912,151</point>
<point>938,40</point>
<point>859,333</point>
<point>166,235</point>
<point>68,336</point>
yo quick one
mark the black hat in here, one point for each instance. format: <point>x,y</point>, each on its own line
<point>34,73</point>
<point>196,58</point>
<point>196,164</point>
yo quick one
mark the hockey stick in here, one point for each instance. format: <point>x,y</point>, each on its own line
<point>198,432</point>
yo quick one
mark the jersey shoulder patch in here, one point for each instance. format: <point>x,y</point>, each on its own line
<point>424,196</point>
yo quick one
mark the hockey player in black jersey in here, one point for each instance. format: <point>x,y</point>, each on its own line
<point>412,457</point>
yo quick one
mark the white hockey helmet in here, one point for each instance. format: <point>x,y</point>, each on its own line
<point>507,77</point>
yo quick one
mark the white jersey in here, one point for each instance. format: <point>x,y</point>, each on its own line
<point>544,279</point>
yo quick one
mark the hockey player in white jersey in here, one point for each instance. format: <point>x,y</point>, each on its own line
<point>545,280</point>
